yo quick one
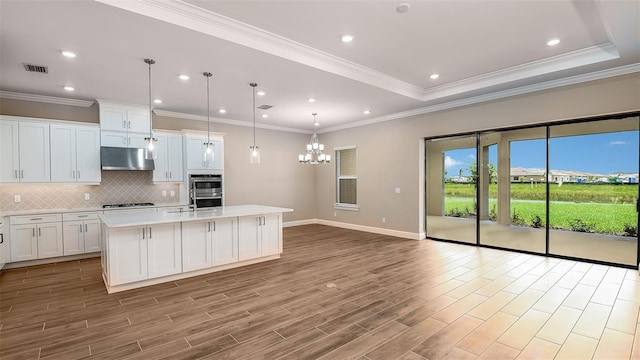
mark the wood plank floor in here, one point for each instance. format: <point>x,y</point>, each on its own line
<point>335,294</point>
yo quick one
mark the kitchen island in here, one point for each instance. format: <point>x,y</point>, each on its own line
<point>151,248</point>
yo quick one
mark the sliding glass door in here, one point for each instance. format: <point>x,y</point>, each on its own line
<point>569,190</point>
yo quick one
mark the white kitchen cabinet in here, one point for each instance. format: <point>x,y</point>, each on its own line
<point>35,237</point>
<point>24,151</point>
<point>196,245</point>
<point>76,153</point>
<point>259,236</point>
<point>119,139</point>
<point>81,232</point>
<point>165,249</point>
<point>9,152</point>
<point>123,117</point>
<point>3,248</point>
<point>168,164</point>
<point>127,249</point>
<point>225,241</point>
<point>194,152</point>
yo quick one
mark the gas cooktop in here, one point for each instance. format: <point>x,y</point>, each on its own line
<point>110,206</point>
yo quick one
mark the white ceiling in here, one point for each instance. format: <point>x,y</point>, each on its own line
<point>292,49</point>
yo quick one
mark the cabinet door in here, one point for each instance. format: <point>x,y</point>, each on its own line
<point>9,150</point>
<point>195,153</point>
<point>34,152</point>
<point>271,234</point>
<point>91,236</point>
<point>127,255</point>
<point>165,249</point>
<point>3,250</point>
<point>138,120</point>
<point>63,153</point>
<point>73,233</point>
<point>113,118</point>
<point>49,240</point>
<point>88,168</point>
<point>161,173</point>
<point>174,158</point>
<point>196,245</point>
<point>113,139</point>
<point>137,140</point>
<point>24,243</point>
<point>218,159</point>
<point>225,241</point>
<point>249,246</point>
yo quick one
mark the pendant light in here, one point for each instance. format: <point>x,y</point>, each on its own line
<point>150,152</point>
<point>254,151</point>
<point>315,151</point>
<point>209,155</point>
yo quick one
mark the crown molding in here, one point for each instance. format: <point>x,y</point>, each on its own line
<point>207,22</point>
<point>180,115</point>
<point>597,75</point>
<point>573,59</point>
<point>44,99</point>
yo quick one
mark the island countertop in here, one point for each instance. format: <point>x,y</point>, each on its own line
<point>123,220</point>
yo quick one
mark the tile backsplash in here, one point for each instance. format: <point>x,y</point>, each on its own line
<point>115,187</point>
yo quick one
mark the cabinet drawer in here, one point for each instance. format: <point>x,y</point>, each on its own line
<point>34,219</point>
<point>79,216</point>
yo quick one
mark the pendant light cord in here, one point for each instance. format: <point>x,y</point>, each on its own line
<point>253,87</point>
<point>208,112</point>
<point>150,61</point>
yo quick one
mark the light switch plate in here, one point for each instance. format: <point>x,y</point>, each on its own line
<point>397,190</point>
<point>16,198</point>
<point>164,192</point>
<point>173,193</point>
<point>87,196</point>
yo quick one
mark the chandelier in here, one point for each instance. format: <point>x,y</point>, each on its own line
<point>315,151</point>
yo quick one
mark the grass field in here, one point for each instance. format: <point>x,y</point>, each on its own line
<point>595,217</point>
<point>598,193</point>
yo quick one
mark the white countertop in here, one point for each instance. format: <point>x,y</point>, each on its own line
<point>159,217</point>
<point>84,209</point>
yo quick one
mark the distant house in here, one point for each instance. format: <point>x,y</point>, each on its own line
<point>522,175</point>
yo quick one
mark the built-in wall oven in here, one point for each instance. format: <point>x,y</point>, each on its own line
<point>205,190</point>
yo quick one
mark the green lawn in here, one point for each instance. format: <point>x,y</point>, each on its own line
<point>596,217</point>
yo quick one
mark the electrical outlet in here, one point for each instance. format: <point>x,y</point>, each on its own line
<point>87,196</point>
<point>335,213</point>
<point>164,192</point>
<point>16,198</point>
<point>384,220</point>
<point>173,193</point>
<point>397,190</point>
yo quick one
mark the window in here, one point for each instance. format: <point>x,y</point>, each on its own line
<point>346,178</point>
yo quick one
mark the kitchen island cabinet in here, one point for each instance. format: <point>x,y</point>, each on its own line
<point>145,249</point>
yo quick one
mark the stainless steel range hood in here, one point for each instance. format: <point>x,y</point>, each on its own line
<point>116,158</point>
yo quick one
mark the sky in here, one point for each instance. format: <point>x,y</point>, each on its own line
<point>605,153</point>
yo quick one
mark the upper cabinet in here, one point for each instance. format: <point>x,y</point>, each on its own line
<point>194,145</point>
<point>76,150</point>
<point>24,151</point>
<point>169,157</point>
<point>123,125</point>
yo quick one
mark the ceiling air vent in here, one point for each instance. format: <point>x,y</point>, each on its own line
<point>265,107</point>
<point>36,68</point>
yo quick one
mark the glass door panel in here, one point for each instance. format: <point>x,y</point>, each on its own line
<point>451,191</point>
<point>512,179</point>
<point>593,189</point>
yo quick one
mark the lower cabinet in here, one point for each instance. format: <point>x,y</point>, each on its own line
<point>259,236</point>
<point>36,241</point>
<point>143,252</point>
<point>81,237</point>
<point>209,243</point>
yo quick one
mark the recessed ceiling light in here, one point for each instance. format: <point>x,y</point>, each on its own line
<point>261,93</point>
<point>222,111</point>
<point>316,124</point>
<point>367,112</point>
<point>347,38</point>
<point>265,115</point>
<point>183,77</point>
<point>434,76</point>
<point>403,8</point>
<point>68,88</point>
<point>67,53</point>
<point>311,100</point>
<point>157,101</point>
<point>553,42</point>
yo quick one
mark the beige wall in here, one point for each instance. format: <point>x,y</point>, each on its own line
<point>389,153</point>
<point>49,111</point>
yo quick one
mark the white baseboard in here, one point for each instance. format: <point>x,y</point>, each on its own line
<point>20,264</point>
<point>371,229</point>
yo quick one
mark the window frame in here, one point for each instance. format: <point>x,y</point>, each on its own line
<point>338,205</point>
